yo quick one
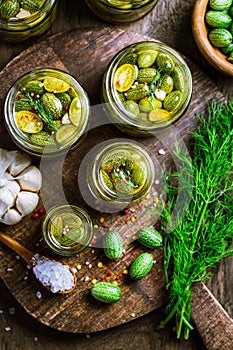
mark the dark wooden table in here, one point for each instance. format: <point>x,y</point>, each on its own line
<point>170,22</point>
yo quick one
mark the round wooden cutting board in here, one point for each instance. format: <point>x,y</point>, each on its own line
<point>85,54</point>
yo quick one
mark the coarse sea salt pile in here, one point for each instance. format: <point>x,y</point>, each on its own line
<point>53,274</point>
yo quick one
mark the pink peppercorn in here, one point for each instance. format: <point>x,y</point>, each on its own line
<point>35,216</point>
<point>40,211</point>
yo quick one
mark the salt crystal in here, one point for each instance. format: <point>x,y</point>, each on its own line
<point>9,269</point>
<point>1,312</point>
<point>12,310</point>
<point>17,257</point>
<point>53,274</point>
<point>7,329</point>
<point>38,295</point>
<point>36,339</point>
<point>133,314</point>
<point>86,278</point>
<point>161,151</point>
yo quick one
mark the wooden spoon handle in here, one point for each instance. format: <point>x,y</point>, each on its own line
<point>17,247</point>
<point>212,321</point>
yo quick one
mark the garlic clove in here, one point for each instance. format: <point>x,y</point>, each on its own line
<point>11,217</point>
<point>19,162</point>
<point>13,186</point>
<point>5,160</point>
<point>30,179</point>
<point>3,208</point>
<point>7,197</point>
<point>26,202</point>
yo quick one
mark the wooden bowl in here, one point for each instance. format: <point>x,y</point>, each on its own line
<point>200,32</point>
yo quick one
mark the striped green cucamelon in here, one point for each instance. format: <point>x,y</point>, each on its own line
<point>220,37</point>
<point>165,63</point>
<point>113,245</point>
<point>220,5</point>
<point>146,58</point>
<point>138,175</point>
<point>132,107</point>
<point>106,292</point>
<point>131,58</point>
<point>9,8</point>
<point>173,100</point>
<point>35,87</point>
<point>167,83</point>
<point>178,79</point>
<point>149,237</point>
<point>141,266</point>
<point>42,138</point>
<point>137,93</point>
<point>22,104</point>
<point>227,49</point>
<point>52,105</point>
<point>218,19</point>
<point>146,75</point>
<point>31,5</point>
<point>64,98</point>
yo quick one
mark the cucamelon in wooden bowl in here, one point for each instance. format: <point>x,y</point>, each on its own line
<point>200,31</point>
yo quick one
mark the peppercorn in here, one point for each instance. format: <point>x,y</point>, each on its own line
<point>35,216</point>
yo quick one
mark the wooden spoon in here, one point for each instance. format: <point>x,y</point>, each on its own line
<point>29,257</point>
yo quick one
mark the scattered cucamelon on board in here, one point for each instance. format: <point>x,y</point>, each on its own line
<point>113,245</point>
<point>148,237</point>
<point>19,8</point>
<point>219,18</point>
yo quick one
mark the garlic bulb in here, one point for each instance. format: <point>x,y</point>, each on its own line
<point>20,183</point>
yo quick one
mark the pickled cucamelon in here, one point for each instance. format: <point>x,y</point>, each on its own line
<point>47,111</point>
<point>19,8</point>
<point>151,83</point>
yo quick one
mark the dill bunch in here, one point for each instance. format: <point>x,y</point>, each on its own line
<point>203,235</point>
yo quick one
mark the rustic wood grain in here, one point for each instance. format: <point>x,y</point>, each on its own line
<point>217,332</point>
<point>140,333</point>
<point>67,51</point>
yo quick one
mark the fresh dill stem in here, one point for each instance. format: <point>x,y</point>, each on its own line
<point>204,235</point>
<point>38,106</point>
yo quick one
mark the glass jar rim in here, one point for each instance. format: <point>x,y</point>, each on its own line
<point>22,140</point>
<point>127,117</point>
<point>126,146</point>
<point>63,208</point>
<point>14,21</point>
<point>139,7</point>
